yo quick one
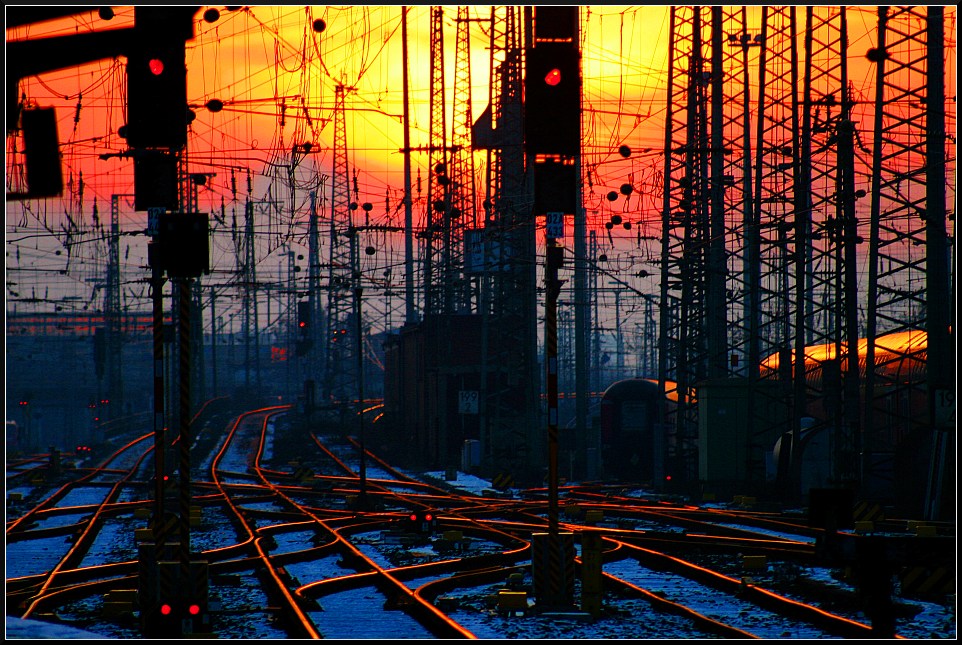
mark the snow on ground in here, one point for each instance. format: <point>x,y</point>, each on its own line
<point>633,621</point>
<point>463,481</point>
<point>20,628</point>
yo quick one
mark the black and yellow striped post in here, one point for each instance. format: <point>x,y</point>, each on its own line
<point>552,553</point>
<point>157,299</point>
<point>183,327</point>
<point>553,570</point>
<point>554,255</point>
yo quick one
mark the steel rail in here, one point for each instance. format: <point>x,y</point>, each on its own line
<point>304,626</point>
<point>763,598</point>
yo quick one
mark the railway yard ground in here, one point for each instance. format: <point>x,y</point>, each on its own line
<point>298,544</point>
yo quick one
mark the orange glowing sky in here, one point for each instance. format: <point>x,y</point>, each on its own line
<point>274,74</point>
<point>277,78</point>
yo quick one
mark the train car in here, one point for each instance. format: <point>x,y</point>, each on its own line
<point>737,444</point>
<point>630,420</point>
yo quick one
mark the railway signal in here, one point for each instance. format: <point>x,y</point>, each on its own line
<point>552,99</point>
<point>304,317</point>
<point>181,607</point>
<point>552,108</point>
<point>157,114</point>
<point>304,341</point>
<point>424,522</point>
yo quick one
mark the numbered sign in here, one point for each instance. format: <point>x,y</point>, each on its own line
<point>554,225</point>
<point>468,401</point>
<point>153,220</point>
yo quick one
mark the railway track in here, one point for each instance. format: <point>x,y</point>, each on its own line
<point>303,541</point>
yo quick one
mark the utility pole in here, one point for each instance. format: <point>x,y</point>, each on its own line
<point>410,310</point>
<point>112,314</point>
<point>313,296</point>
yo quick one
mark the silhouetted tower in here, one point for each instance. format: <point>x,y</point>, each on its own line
<point>796,292</point>
<point>825,273</point>
<point>463,213</point>
<point>315,356</point>
<point>339,383</point>
<point>250,300</point>
<point>113,314</point>
<point>437,267</point>
<point>686,231</point>
<point>769,229</point>
<point>910,290</point>
<point>510,380</point>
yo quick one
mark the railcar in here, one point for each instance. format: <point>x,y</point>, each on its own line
<point>630,419</point>
<point>636,417</point>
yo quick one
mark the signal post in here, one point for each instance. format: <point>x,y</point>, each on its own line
<point>552,132</point>
<point>172,584</point>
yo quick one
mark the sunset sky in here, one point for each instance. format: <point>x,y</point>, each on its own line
<point>277,79</point>
<point>277,76</point>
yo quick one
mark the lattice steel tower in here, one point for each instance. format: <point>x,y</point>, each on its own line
<point>463,213</point>
<point>686,236</point>
<point>437,293</point>
<point>910,290</point>
<point>511,379</point>
<point>339,373</point>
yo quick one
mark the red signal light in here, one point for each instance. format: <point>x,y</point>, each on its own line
<point>414,517</point>
<point>194,609</point>
<point>166,609</point>
<point>156,66</point>
<point>428,517</point>
<point>553,77</point>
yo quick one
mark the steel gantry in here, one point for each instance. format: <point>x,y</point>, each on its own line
<point>765,224</point>
<point>910,290</point>
<point>685,237</point>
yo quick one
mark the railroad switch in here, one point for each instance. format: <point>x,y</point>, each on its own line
<point>874,561</point>
<point>572,510</point>
<point>120,603</point>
